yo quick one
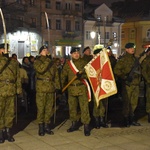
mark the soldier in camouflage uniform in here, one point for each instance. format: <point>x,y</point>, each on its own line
<point>77,91</point>
<point>10,85</point>
<point>146,75</point>
<point>87,54</point>
<point>46,84</point>
<point>99,112</point>
<point>130,85</point>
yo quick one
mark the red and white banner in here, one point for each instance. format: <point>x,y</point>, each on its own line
<point>101,77</point>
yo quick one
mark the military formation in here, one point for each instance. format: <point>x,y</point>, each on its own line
<point>128,71</point>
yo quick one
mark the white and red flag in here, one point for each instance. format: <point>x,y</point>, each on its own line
<point>101,77</point>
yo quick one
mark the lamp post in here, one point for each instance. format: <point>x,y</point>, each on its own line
<point>105,31</point>
<point>98,20</point>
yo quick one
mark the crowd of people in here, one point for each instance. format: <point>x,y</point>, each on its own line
<point>38,81</point>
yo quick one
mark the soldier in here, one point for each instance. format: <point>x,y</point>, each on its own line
<point>99,112</point>
<point>10,85</point>
<point>87,54</point>
<point>130,85</point>
<point>46,83</point>
<point>146,74</point>
<point>77,91</point>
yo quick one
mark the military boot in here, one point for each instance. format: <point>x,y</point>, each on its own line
<point>9,137</point>
<point>126,122</point>
<point>103,122</point>
<point>2,140</point>
<point>97,123</point>
<point>86,130</point>
<point>48,130</point>
<point>41,129</point>
<point>149,117</point>
<point>73,127</point>
<point>133,121</point>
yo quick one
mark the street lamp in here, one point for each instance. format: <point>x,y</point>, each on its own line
<point>92,34</point>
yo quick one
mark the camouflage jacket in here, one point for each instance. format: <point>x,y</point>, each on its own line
<point>46,75</point>
<point>10,81</point>
<point>124,66</point>
<point>87,58</point>
<point>146,69</point>
<point>76,88</point>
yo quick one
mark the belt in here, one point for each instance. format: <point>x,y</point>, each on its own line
<point>44,79</point>
<point>7,81</point>
<point>78,84</point>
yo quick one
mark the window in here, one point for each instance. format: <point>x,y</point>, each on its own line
<point>58,24</point>
<point>33,23</point>
<point>32,3</point>
<point>47,4</point>
<point>132,34</point>
<point>68,6</point>
<point>49,21</point>
<point>122,34</point>
<point>77,7</point>
<point>58,5</point>
<point>88,36</point>
<point>68,25</point>
<point>77,26</point>
<point>114,36</point>
<point>107,35</point>
<point>148,33</point>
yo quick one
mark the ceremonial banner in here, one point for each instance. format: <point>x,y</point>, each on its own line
<point>101,77</point>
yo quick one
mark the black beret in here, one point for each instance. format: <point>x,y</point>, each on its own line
<point>129,45</point>
<point>74,49</point>
<point>3,45</point>
<point>43,47</point>
<point>85,49</point>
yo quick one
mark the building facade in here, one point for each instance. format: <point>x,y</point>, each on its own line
<point>102,22</point>
<point>138,32</point>
<point>30,24</point>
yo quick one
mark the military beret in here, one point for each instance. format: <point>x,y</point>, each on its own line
<point>43,47</point>
<point>3,45</point>
<point>97,48</point>
<point>85,49</point>
<point>74,49</point>
<point>129,45</point>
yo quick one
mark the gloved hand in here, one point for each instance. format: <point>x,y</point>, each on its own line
<point>58,91</point>
<point>6,55</point>
<point>78,74</point>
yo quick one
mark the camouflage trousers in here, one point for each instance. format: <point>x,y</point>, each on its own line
<point>44,102</point>
<point>7,111</point>
<point>148,98</point>
<point>82,102</point>
<point>130,96</point>
<point>99,111</point>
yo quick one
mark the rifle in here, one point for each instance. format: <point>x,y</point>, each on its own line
<point>135,66</point>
